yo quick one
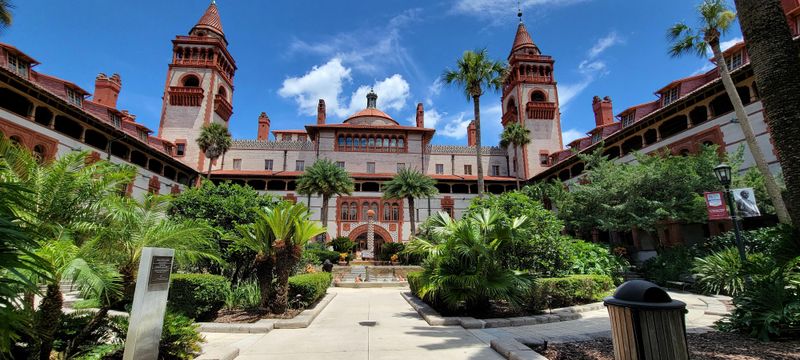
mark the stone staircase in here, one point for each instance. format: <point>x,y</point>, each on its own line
<point>355,272</point>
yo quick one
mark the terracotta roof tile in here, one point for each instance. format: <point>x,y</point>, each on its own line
<point>211,20</point>
<point>523,39</point>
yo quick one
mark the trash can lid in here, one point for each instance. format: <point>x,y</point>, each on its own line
<point>643,294</point>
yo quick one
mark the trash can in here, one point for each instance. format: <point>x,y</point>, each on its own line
<point>646,324</point>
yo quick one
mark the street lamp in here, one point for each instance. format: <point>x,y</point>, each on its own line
<point>723,174</point>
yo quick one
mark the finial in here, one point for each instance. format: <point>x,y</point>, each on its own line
<point>519,11</point>
<point>213,2</point>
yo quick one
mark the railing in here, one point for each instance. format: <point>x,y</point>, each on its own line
<point>185,96</point>
<point>510,116</point>
<point>540,110</point>
<point>222,107</point>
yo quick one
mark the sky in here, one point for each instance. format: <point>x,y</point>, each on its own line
<point>291,53</point>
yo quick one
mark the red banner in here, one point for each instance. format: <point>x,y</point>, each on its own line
<point>715,203</point>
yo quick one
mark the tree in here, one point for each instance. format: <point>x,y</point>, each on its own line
<point>5,14</point>
<point>214,141</point>
<point>776,65</point>
<point>410,184</point>
<point>475,72</point>
<point>258,237</point>
<point>326,179</point>
<point>515,135</point>
<point>716,19</point>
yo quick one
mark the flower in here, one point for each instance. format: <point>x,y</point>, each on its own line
<point>394,257</point>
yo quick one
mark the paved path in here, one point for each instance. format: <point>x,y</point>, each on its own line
<point>344,331</point>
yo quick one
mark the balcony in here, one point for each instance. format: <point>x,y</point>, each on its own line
<point>185,96</point>
<point>509,117</point>
<point>222,107</point>
<point>540,110</point>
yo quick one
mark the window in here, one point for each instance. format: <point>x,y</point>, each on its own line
<point>467,169</point>
<point>395,212</point>
<point>628,119</point>
<point>74,98</point>
<point>353,211</point>
<point>538,96</point>
<point>387,212</point>
<point>18,66</point>
<point>341,141</point>
<point>495,170</point>
<point>300,165</point>
<point>340,164</point>
<point>544,159</point>
<point>669,96</point>
<point>142,134</point>
<point>439,169</point>
<point>180,149</point>
<point>237,164</point>
<point>401,166</point>
<point>115,119</point>
<point>734,61</point>
<point>268,164</point>
<point>365,211</point>
<point>449,211</point>
<point>596,137</point>
<point>370,168</point>
<point>286,137</point>
<point>345,213</point>
<point>191,81</point>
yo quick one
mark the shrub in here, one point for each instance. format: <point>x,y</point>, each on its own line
<point>323,255</point>
<point>311,287</point>
<point>179,338</point>
<point>722,271</point>
<point>595,259</point>
<point>414,279</point>
<point>343,244</point>
<point>389,249</point>
<point>246,295</point>
<point>198,296</point>
<point>567,291</point>
<point>672,264</point>
<point>759,240</point>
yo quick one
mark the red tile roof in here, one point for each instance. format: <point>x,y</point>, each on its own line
<point>210,20</point>
<point>523,39</point>
<point>370,112</point>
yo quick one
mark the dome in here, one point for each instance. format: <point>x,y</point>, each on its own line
<point>371,115</point>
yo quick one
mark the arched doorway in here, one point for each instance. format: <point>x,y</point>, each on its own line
<point>359,236</point>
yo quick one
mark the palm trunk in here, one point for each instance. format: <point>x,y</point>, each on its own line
<point>80,339</point>
<point>264,267</point>
<point>412,216</point>
<point>47,320</point>
<point>283,269</point>
<point>476,101</point>
<point>208,173</point>
<point>775,63</point>
<point>323,217</point>
<point>758,156</point>
<point>516,165</point>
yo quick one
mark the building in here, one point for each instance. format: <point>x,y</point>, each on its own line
<point>51,116</point>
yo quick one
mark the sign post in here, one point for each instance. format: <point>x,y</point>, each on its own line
<point>149,304</point>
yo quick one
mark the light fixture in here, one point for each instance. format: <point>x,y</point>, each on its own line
<point>723,174</point>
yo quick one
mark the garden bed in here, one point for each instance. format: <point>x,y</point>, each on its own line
<point>708,346</point>
<point>251,316</point>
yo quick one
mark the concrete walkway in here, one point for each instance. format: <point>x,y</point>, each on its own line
<point>361,324</point>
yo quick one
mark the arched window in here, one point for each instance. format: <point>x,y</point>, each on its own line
<point>345,211</point>
<point>353,211</point>
<point>538,96</point>
<point>222,92</point>
<point>395,212</point>
<point>341,140</point>
<point>16,140</point>
<point>364,210</point>
<point>363,143</point>
<point>371,142</point>
<point>349,141</point>
<point>387,212</point>
<point>374,208</point>
<point>39,153</point>
<point>393,143</point>
<point>191,81</point>
<point>400,142</point>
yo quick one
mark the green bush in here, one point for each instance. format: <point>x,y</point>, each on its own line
<point>246,295</point>
<point>414,279</point>
<point>389,249</point>
<point>323,255</point>
<point>594,259</point>
<point>674,264</point>
<point>311,287</point>
<point>179,338</point>
<point>568,291</point>
<point>198,296</point>
<point>343,244</point>
<point>762,240</point>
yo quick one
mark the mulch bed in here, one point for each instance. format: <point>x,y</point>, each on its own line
<point>708,346</point>
<point>251,316</point>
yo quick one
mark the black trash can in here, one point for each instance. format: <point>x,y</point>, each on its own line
<point>646,324</point>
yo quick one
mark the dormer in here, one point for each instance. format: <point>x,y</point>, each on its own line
<point>75,95</point>
<point>17,61</point>
<point>670,95</point>
<point>628,117</point>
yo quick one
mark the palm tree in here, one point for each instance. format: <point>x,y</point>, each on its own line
<point>716,20</point>
<point>515,135</point>
<point>775,63</point>
<point>214,141</point>
<point>410,184</point>
<point>326,179</point>
<point>475,72</point>
<point>259,238</point>
<point>5,14</point>
<point>292,229</point>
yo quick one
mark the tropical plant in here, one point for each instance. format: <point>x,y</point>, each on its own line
<point>475,73</point>
<point>595,259</point>
<point>462,271</point>
<point>410,184</point>
<point>326,179</point>
<point>5,14</point>
<point>722,272</point>
<point>258,237</point>
<point>246,296</point>
<point>715,20</point>
<point>214,141</point>
<point>343,244</point>
<point>515,135</point>
<point>774,59</point>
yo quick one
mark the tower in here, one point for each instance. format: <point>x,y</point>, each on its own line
<point>530,98</point>
<point>199,86</point>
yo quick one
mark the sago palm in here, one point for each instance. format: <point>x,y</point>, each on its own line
<point>326,179</point>
<point>715,20</point>
<point>214,141</point>
<point>259,238</point>
<point>410,184</point>
<point>515,135</point>
<point>475,73</point>
<point>776,65</point>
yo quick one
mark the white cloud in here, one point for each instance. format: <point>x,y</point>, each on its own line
<point>604,43</point>
<point>456,127</point>
<point>725,45</point>
<point>705,68</point>
<point>393,93</point>
<point>567,92</point>
<point>571,135</point>
<point>494,9</point>
<point>321,82</point>
<point>590,69</point>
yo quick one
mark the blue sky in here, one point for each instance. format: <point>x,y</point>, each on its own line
<point>290,53</point>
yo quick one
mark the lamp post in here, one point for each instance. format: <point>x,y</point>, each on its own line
<point>371,233</point>
<point>723,174</point>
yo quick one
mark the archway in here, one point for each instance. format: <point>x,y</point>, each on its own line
<point>359,236</point>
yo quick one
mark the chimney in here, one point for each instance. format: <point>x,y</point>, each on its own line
<point>471,134</point>
<point>603,113</point>
<point>321,112</point>
<point>263,127</point>
<point>127,116</point>
<point>106,89</point>
<point>420,116</point>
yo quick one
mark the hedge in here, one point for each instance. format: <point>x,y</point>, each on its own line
<point>311,287</point>
<point>333,256</point>
<point>568,291</point>
<point>413,279</point>
<point>198,296</point>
